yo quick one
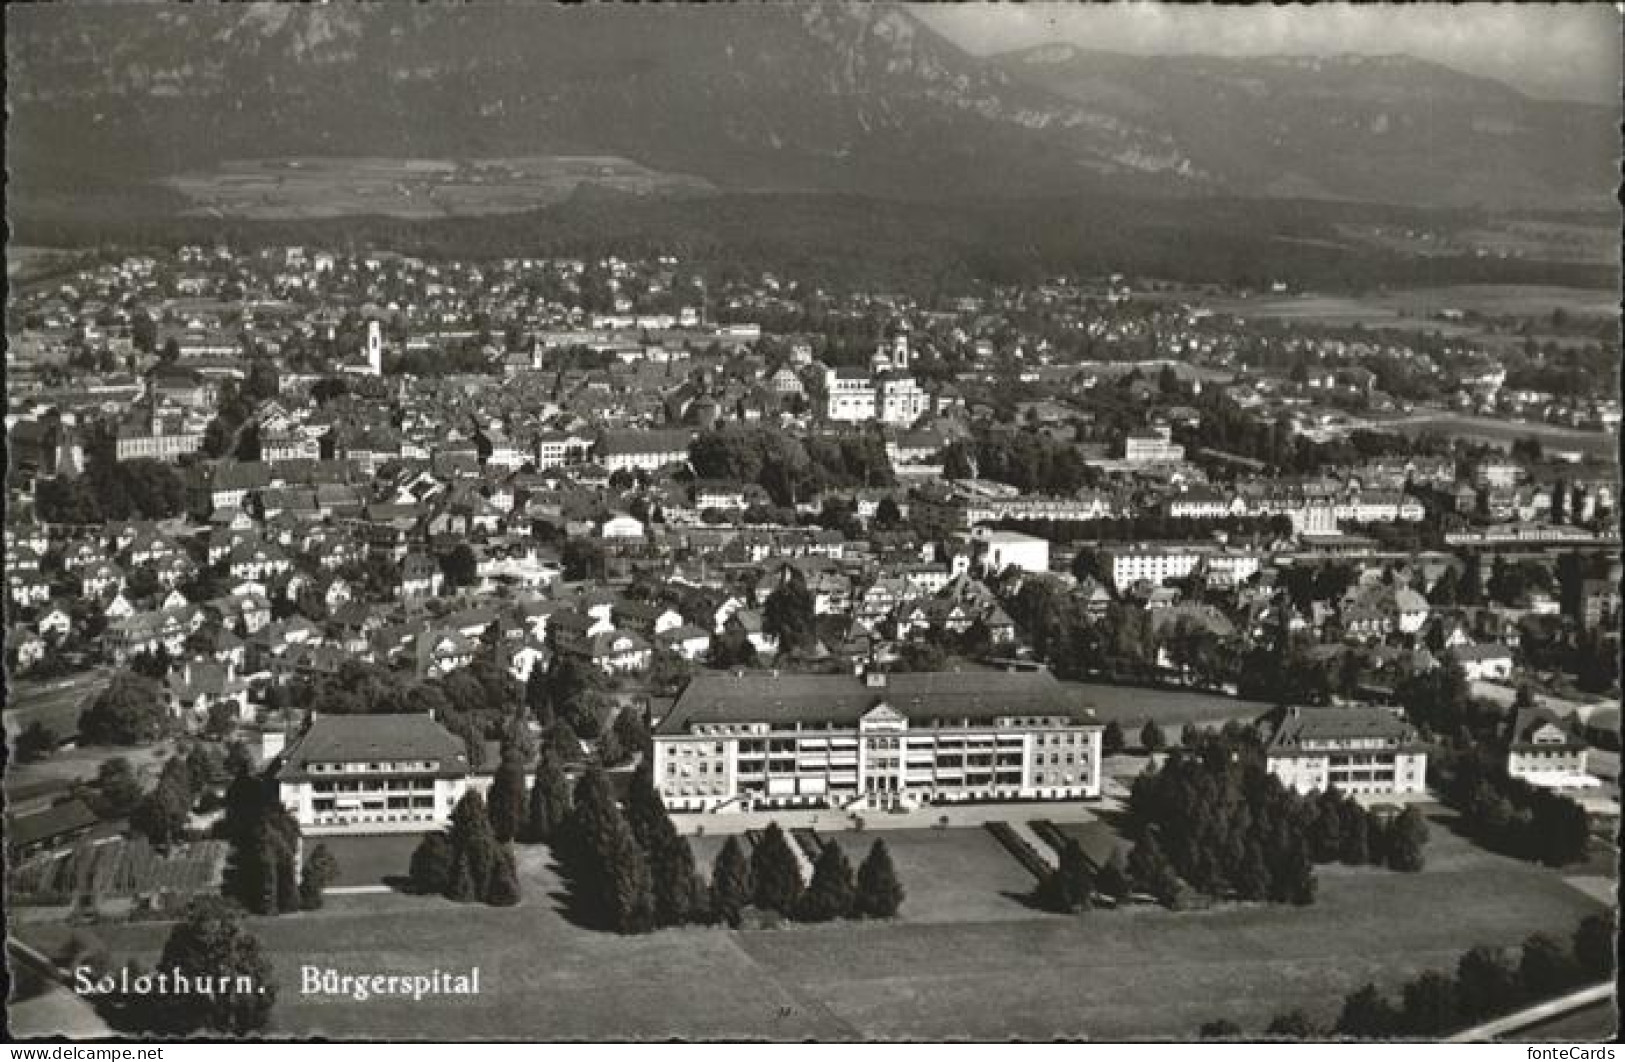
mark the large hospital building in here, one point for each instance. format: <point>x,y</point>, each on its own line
<point>743,740</point>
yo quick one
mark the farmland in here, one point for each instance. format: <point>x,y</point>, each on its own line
<point>117,870</point>
<point>1503,433</point>
<point>967,959</point>
<point>1418,309</point>
<point>409,188</point>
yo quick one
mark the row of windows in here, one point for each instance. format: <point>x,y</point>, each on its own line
<point>374,768</point>
<point>379,786</point>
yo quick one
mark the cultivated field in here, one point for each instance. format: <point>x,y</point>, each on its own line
<point>1504,433</point>
<point>409,188</point>
<point>117,869</point>
<point>1417,309</point>
<point>966,961</point>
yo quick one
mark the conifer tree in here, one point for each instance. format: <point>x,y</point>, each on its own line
<point>1150,870</point>
<point>431,865</point>
<point>776,872</point>
<point>474,847</point>
<point>504,887</point>
<point>508,805</point>
<point>731,886</point>
<point>831,893</point>
<point>1113,877</point>
<point>879,893</point>
<point>549,799</point>
<point>321,869</point>
<point>1067,887</point>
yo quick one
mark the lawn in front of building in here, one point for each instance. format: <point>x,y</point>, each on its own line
<point>370,859</point>
<point>965,961</point>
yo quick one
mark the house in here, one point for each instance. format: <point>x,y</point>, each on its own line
<point>57,826</point>
<point>621,526</point>
<point>619,651</point>
<point>420,577</point>
<point>646,450</point>
<point>1544,751</point>
<point>749,622</point>
<point>55,623</point>
<point>197,686</point>
<point>1484,662</point>
<point>687,641</point>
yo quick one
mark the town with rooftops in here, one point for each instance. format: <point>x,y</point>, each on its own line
<point>817,522</point>
<point>327,542</point>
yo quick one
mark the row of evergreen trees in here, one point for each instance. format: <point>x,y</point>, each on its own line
<point>770,880</point>
<point>1487,983</point>
<point>631,871</point>
<point>1224,825</point>
<point>261,868</point>
<point>467,862</point>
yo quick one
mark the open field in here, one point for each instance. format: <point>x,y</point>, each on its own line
<point>410,188</point>
<point>1418,309</point>
<point>1504,433</point>
<point>1131,706</point>
<point>960,964</point>
<point>56,703</point>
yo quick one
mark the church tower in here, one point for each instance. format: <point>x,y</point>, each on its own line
<point>375,348</point>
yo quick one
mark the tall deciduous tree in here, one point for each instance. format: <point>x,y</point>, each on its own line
<point>210,945</point>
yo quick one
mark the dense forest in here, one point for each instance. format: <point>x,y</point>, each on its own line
<point>854,241</point>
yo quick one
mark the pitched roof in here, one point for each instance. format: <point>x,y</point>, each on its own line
<point>373,739</point>
<point>782,700</point>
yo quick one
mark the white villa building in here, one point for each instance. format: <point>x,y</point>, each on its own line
<point>1360,751</point>
<point>374,774</point>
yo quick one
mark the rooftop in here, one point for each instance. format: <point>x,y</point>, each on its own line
<point>784,700</point>
<point>373,738</point>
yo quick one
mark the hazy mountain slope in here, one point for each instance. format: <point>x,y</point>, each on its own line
<point>822,97</point>
<point>1380,128</point>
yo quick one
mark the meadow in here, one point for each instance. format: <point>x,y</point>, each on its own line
<point>968,958</point>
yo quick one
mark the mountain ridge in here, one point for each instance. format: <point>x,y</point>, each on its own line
<point>830,97</point>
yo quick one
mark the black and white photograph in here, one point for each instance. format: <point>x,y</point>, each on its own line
<point>813,522</point>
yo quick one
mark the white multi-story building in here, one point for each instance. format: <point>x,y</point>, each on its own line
<point>856,396</point>
<point>849,395</point>
<point>1152,447</point>
<point>373,774</point>
<point>733,742</point>
<point>1157,564</point>
<point>1361,751</point>
<point>1544,752</point>
<point>648,450</point>
<point>998,550</point>
<point>901,401</point>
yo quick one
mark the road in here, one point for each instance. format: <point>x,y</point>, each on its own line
<point>1509,1026</point>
